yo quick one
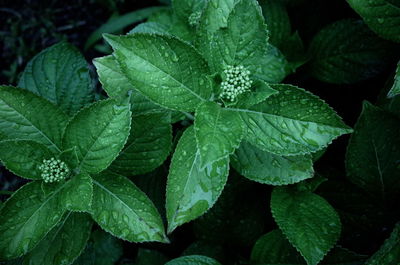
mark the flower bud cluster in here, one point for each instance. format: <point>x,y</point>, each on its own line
<point>237,81</point>
<point>194,19</point>
<point>53,170</point>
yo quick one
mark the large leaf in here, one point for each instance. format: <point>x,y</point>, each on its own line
<point>78,193</point>
<point>102,249</point>
<point>271,169</point>
<point>121,209</point>
<point>389,253</point>
<point>59,74</point>
<point>117,86</point>
<point>218,132</point>
<point>382,16</point>
<point>241,42</point>
<point>23,157</point>
<point>216,15</point>
<point>347,51</point>
<point>307,220</point>
<point>274,248</point>
<point>64,243</point>
<point>148,145</point>
<point>165,69</point>
<point>27,217</point>
<point>395,90</point>
<point>99,132</point>
<point>291,122</point>
<point>24,115</point>
<point>191,190</point>
<point>193,260</point>
<point>373,154</point>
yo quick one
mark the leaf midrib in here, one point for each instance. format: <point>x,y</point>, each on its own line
<point>127,206</point>
<point>169,75</point>
<point>29,121</point>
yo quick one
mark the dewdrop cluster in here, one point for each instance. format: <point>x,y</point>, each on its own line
<point>53,170</point>
<point>194,18</point>
<point>236,81</point>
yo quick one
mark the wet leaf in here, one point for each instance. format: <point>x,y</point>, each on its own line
<point>60,74</point>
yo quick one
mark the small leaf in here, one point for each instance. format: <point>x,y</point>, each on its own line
<point>274,248</point>
<point>102,249</point>
<point>389,253</point>
<point>373,153</point>
<point>395,90</point>
<point>382,16</point>
<point>60,74</point>
<point>292,122</point>
<point>218,132</point>
<point>216,15</point>
<point>148,145</point>
<point>191,191</point>
<point>78,193</point>
<point>347,52</point>
<point>193,260</point>
<point>64,243</point>
<point>184,8</point>
<point>99,132</point>
<point>271,169</point>
<point>121,209</point>
<point>25,116</point>
<point>260,92</point>
<point>165,69</point>
<point>241,42</point>
<point>27,216</point>
<point>23,157</point>
<point>307,220</point>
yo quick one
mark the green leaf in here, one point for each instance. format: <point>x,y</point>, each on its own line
<point>292,122</point>
<point>277,19</point>
<point>118,86</point>
<point>273,66</point>
<point>165,69</point>
<point>271,169</point>
<point>347,51</point>
<point>23,157</point>
<point>373,154</point>
<point>64,243</point>
<point>260,92</point>
<point>274,248</point>
<point>193,260</point>
<point>25,116</point>
<point>184,8</point>
<point>150,27</point>
<point>60,74</point>
<point>216,15</point>
<point>148,145</point>
<point>218,132</point>
<point>191,191</point>
<point>242,42</point>
<point>395,90</point>
<point>382,16</point>
<point>309,222</point>
<point>121,209</point>
<point>27,216</point>
<point>102,249</point>
<point>389,253</point>
<point>99,132</point>
<point>119,23</point>
<point>78,193</point>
